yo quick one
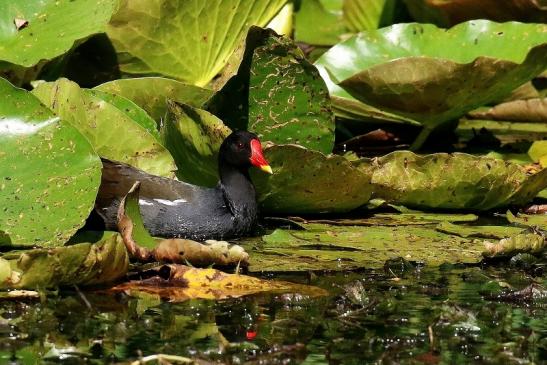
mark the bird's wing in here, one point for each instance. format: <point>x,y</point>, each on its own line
<point>117,178</point>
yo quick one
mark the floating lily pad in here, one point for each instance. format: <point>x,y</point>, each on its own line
<point>527,242</point>
<point>48,28</point>
<point>307,181</point>
<point>49,173</point>
<point>530,220</point>
<point>451,181</point>
<point>325,247</point>
<point>395,219</point>
<point>429,79</point>
<point>152,93</point>
<point>112,132</point>
<point>193,136</point>
<point>81,264</point>
<point>189,41</point>
<point>497,232</point>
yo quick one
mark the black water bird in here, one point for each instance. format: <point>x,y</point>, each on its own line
<point>172,208</point>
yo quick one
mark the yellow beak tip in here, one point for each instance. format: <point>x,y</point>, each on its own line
<point>266,168</point>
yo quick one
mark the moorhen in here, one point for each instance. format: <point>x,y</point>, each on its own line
<point>175,209</point>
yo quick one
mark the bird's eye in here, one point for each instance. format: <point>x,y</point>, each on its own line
<point>240,145</point>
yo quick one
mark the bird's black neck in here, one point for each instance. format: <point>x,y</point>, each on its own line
<point>239,191</point>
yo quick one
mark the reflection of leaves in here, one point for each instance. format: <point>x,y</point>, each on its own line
<point>178,283</point>
<point>196,38</point>
<point>112,132</point>
<point>452,181</point>
<point>144,247</point>
<point>83,264</point>
<point>49,173</point>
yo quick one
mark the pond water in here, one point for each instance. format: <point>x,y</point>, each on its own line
<point>402,314</point>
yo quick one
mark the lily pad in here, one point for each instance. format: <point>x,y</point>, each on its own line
<point>428,80</point>
<point>188,41</point>
<point>394,219</point>
<point>325,247</point>
<point>112,132</point>
<point>49,173</point>
<point>152,93</point>
<point>369,14</point>
<point>307,181</point>
<point>524,242</point>
<point>193,136</point>
<point>49,28</point>
<point>451,181</point>
<point>87,263</point>
<point>530,220</point>
<point>497,232</point>
<point>314,24</point>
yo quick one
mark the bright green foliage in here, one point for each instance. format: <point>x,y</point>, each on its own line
<point>314,24</point>
<point>112,132</point>
<point>52,29</point>
<point>326,247</point>
<point>193,136</point>
<point>438,75</point>
<point>451,181</point>
<point>186,40</point>
<point>530,220</point>
<point>101,262</point>
<point>307,181</point>
<point>497,232</point>
<point>288,100</point>
<point>152,93</point>
<point>131,110</point>
<point>49,173</point>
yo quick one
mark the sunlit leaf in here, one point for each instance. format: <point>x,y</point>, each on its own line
<point>49,173</point>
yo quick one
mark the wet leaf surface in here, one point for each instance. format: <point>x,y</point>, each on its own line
<point>112,132</point>
<point>202,43</point>
<point>326,247</point>
<point>49,173</point>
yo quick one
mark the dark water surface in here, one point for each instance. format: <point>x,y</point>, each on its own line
<point>399,315</point>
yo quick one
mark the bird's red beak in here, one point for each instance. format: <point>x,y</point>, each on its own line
<point>257,157</point>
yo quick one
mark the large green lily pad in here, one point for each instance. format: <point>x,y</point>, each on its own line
<point>112,132</point>
<point>49,173</point>
<point>152,93</point>
<point>451,181</point>
<point>193,136</point>
<point>326,247</point>
<point>438,74</point>
<point>307,181</point>
<point>186,40</point>
<point>103,261</point>
<point>51,27</point>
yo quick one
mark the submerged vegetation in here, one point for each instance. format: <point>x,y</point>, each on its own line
<point>404,221</point>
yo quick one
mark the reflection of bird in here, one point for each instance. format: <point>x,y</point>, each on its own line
<point>172,208</point>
